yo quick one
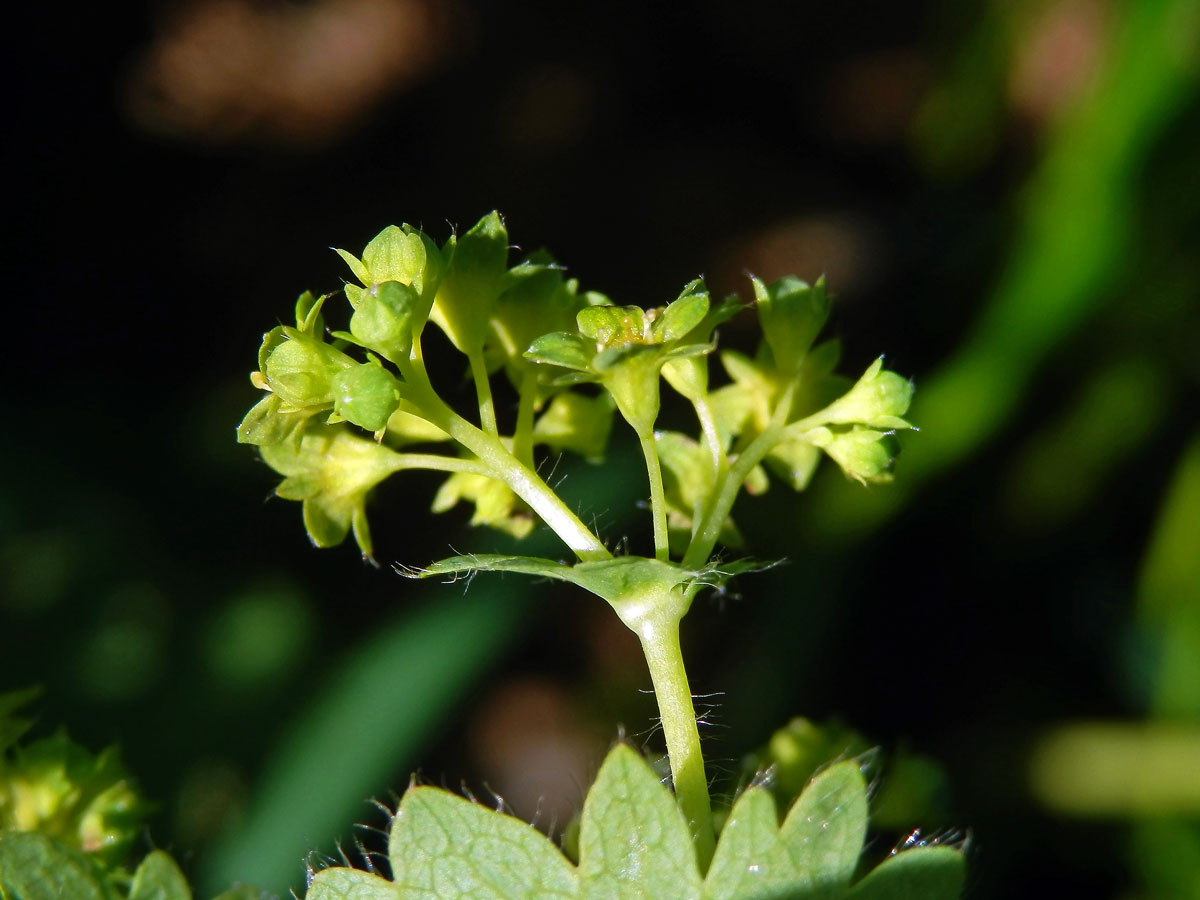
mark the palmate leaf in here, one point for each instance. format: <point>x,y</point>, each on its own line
<point>635,845</point>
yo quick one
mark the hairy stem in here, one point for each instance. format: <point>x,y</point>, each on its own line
<point>658,501</point>
<point>659,636</point>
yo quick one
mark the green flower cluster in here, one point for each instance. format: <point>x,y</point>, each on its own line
<point>346,409</point>
<point>83,802</point>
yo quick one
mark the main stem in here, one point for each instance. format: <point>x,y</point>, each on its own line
<point>659,636</point>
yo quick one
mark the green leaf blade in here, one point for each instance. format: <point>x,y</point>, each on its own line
<point>825,828</point>
<point>444,847</point>
<point>633,841</point>
<point>751,862</point>
<point>351,884</point>
<point>923,873</point>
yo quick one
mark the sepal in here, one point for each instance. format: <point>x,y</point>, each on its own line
<point>792,315</point>
<point>471,283</point>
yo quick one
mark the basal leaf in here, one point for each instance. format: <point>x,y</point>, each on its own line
<point>634,842</point>
<point>159,878</point>
<point>825,828</point>
<point>351,884</point>
<point>448,848</point>
<point>34,867</point>
<point>923,873</point>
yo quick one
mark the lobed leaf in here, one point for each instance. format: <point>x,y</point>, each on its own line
<point>751,862</point>
<point>443,847</point>
<point>825,828</point>
<point>922,873</point>
<point>633,841</point>
<point>351,884</point>
<point>634,845</point>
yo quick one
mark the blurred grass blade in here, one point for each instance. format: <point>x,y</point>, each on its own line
<point>1169,594</point>
<point>370,722</point>
<point>1077,227</point>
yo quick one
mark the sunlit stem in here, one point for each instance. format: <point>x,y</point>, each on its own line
<point>713,518</point>
<point>712,436</point>
<point>659,636</point>
<point>523,436</point>
<point>658,500</point>
<point>439,463</point>
<point>498,462</point>
<point>483,389</point>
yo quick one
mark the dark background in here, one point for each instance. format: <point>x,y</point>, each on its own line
<point>1005,200</point>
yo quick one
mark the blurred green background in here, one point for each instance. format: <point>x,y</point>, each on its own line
<point>1004,196</point>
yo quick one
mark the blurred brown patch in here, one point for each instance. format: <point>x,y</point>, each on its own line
<point>548,108</point>
<point>248,71</point>
<point>872,99</point>
<point>1057,57</point>
<point>533,751</point>
<point>841,246</point>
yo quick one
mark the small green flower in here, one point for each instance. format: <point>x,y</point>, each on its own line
<point>495,504</point>
<point>687,481</point>
<point>366,395</point>
<point>387,319</point>
<point>301,369</point>
<point>399,254</point>
<point>576,423</point>
<point>331,470</point>
<point>792,315</point>
<point>625,349</point>
<point>84,801</point>
<point>534,298</point>
<point>471,283</point>
<point>856,429</point>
